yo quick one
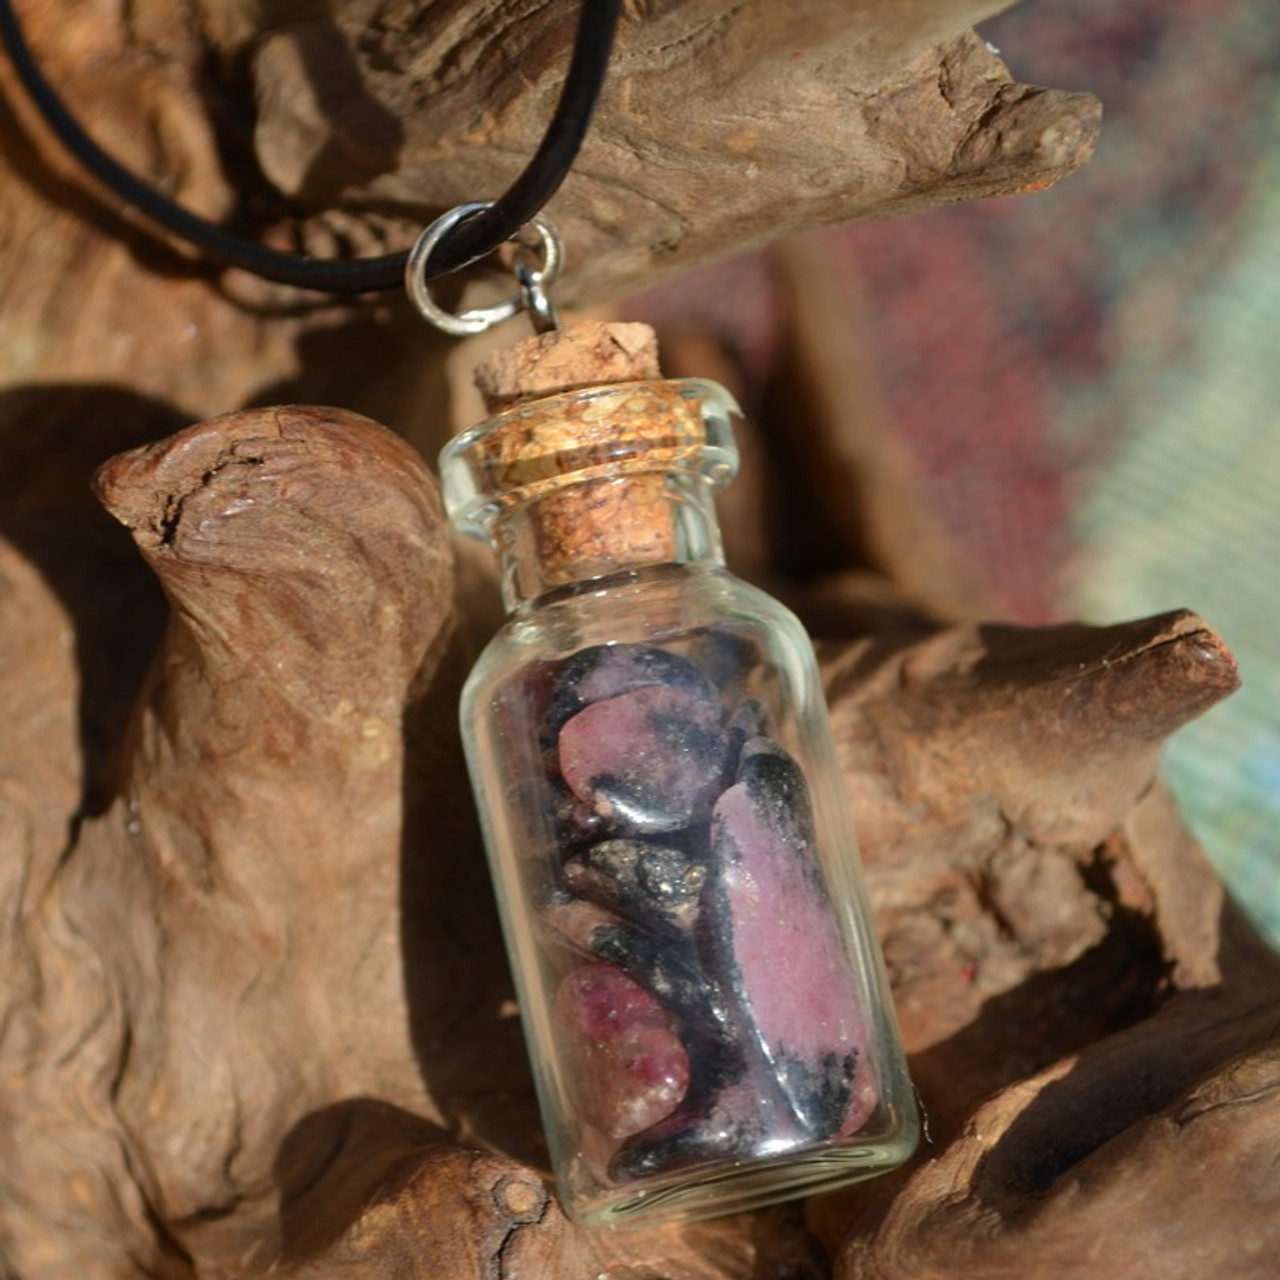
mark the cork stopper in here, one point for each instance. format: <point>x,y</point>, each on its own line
<point>586,355</point>
<point>585,445</point>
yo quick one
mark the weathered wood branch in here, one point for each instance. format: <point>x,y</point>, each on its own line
<point>308,1008</point>
<point>374,116</point>
<point>788,117</point>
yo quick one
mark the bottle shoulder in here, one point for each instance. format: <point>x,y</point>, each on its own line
<point>665,606</point>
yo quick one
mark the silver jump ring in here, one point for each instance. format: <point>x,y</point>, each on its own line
<point>482,318</point>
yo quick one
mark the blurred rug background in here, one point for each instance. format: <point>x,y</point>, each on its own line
<point>1088,379</point>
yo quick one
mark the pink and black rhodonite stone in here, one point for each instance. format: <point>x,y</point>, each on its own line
<point>706,999</point>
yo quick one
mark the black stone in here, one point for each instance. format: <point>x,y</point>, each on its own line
<point>653,884</point>
<point>776,786</point>
<point>607,670</point>
<point>726,658</point>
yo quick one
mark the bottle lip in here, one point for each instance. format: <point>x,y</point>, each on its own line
<point>607,431</point>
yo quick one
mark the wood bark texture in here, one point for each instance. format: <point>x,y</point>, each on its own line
<point>808,113</point>
<point>255,1017</point>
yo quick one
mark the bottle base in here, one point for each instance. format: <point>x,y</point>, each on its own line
<point>714,1190</point>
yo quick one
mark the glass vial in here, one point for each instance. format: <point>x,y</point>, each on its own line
<point>700,984</point>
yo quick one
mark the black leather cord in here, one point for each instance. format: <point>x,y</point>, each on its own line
<point>467,243</point>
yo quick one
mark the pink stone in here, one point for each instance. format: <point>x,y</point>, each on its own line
<point>649,760</point>
<point>579,923</point>
<point>632,1069</point>
<point>781,946</point>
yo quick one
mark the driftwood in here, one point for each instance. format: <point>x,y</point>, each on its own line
<point>373,116</point>
<point>261,999</point>
<point>420,110</point>
<point>254,1012</point>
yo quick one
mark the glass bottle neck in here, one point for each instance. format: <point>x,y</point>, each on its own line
<point>578,486</point>
<point>678,522</point>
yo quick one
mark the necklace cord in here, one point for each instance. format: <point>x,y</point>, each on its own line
<point>468,242</point>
